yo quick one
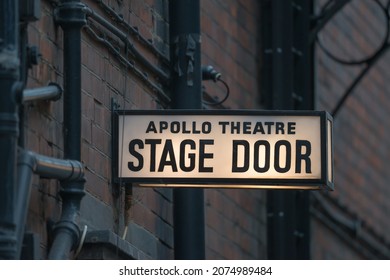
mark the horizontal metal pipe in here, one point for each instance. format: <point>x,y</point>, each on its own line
<point>64,170</point>
<point>48,167</point>
<point>51,92</point>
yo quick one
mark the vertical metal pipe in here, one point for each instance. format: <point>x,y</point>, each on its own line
<point>70,15</point>
<point>66,231</point>
<point>188,208</point>
<point>9,76</point>
<point>26,165</point>
<point>47,167</point>
<point>72,82</point>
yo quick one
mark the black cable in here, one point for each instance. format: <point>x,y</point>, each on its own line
<point>328,10</point>
<point>369,61</point>
<point>163,77</point>
<point>129,64</point>
<point>223,99</point>
<point>368,58</point>
<point>132,30</point>
<point>358,79</point>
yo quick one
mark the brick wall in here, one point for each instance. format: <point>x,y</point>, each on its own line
<point>230,42</point>
<point>235,219</point>
<point>361,135</point>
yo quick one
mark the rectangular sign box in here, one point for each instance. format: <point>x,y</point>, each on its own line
<point>224,149</point>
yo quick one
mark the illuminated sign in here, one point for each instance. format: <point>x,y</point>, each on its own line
<point>224,148</point>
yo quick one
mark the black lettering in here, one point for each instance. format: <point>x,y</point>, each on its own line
<point>168,152</point>
<point>258,128</point>
<point>206,127</point>
<point>246,127</point>
<point>175,127</point>
<point>279,128</point>
<point>223,124</point>
<point>287,166</point>
<point>269,126</point>
<point>138,156</point>
<point>266,156</point>
<point>152,143</point>
<point>203,155</point>
<point>303,156</point>
<point>194,130</point>
<point>291,127</point>
<point>185,131</point>
<point>151,127</point>
<point>191,156</point>
<point>235,128</point>
<point>245,166</point>
<point>163,126</point>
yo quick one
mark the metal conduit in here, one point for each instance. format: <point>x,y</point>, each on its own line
<point>163,77</point>
<point>54,168</point>
<point>47,167</point>
<point>51,92</point>
<point>71,17</point>
<point>336,220</point>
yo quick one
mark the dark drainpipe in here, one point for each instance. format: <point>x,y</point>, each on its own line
<point>188,204</point>
<point>30,163</point>
<point>70,16</point>
<point>9,122</point>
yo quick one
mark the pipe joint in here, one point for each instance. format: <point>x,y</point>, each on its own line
<point>48,167</point>
<point>9,124</point>
<point>70,15</point>
<point>73,190</point>
<point>71,194</point>
<point>27,158</point>
<point>77,174</point>
<point>59,91</point>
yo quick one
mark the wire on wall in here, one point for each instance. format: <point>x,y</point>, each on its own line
<point>209,73</point>
<point>330,211</point>
<point>128,63</point>
<point>350,227</point>
<point>156,71</point>
<point>132,30</point>
<point>219,102</point>
<point>368,61</point>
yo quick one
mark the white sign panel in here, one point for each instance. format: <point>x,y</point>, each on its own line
<point>224,148</point>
